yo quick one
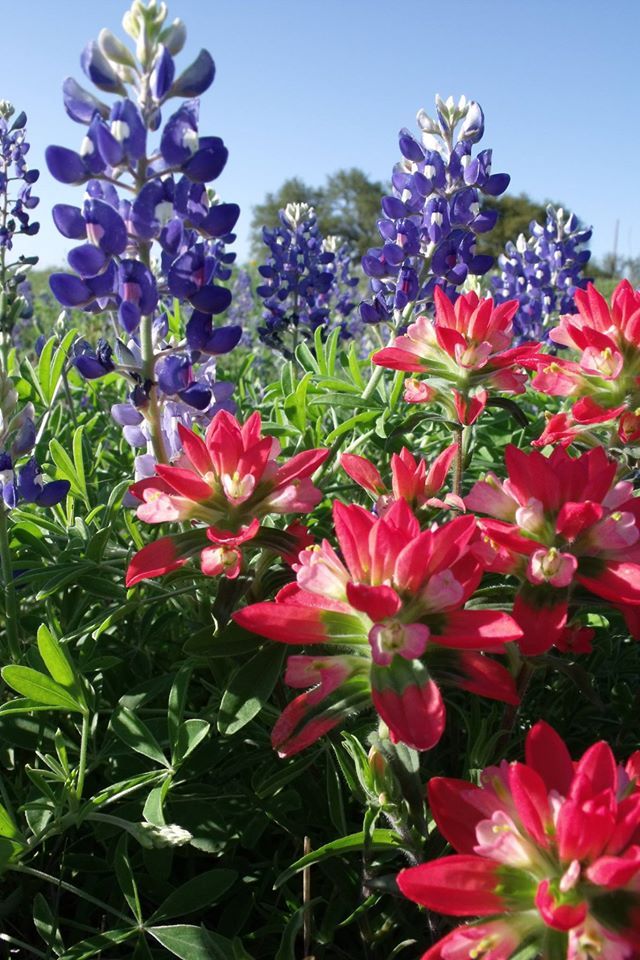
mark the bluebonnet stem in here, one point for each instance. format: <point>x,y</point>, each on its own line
<point>16,202</point>
<point>305,280</point>
<point>433,215</point>
<point>152,237</point>
<point>543,271</point>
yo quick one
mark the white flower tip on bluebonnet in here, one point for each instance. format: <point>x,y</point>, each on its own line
<point>426,124</point>
<point>297,213</point>
<point>521,243</point>
<point>472,284</point>
<point>7,109</point>
<point>152,835</point>
<point>331,244</point>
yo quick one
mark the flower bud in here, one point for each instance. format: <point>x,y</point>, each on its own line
<point>99,70</point>
<point>114,49</point>
<point>473,125</point>
<point>174,37</point>
<point>153,836</point>
<point>426,124</point>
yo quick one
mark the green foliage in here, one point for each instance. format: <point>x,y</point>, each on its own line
<point>144,814</point>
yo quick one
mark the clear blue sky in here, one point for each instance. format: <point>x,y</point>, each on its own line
<point>305,87</point>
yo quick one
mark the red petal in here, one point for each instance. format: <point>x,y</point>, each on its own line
<point>487,678</point>
<point>378,603</point>
<point>457,807</point>
<point>530,796</point>
<point>363,472</point>
<point>542,625</point>
<point>478,630</point>
<point>195,449</point>
<point>154,560</point>
<point>302,465</point>
<point>460,886</point>
<point>394,358</point>
<point>287,623</point>
<point>353,525</point>
<point>564,916</point>
<point>547,754</point>
<point>618,582</point>
<point>185,482</point>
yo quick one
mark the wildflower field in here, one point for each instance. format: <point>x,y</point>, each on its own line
<point>320,575</point>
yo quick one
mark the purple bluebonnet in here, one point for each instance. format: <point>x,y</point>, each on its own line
<point>21,477</point>
<point>301,282</point>
<point>16,204</point>
<point>432,217</point>
<point>542,272</point>
<point>152,239</point>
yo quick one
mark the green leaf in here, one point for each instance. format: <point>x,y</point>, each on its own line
<point>360,418</point>
<point>249,687</point>
<point>36,686</point>
<point>177,700</point>
<point>126,879</point>
<point>192,943</point>
<point>78,460</point>
<point>55,658</point>
<point>46,924</point>
<point>136,734</point>
<point>287,948</point>
<point>8,828</point>
<point>44,369</point>
<point>22,705</point>
<point>196,894</point>
<point>191,733</point>
<point>380,840</point>
<point>98,944</point>
<point>67,470</point>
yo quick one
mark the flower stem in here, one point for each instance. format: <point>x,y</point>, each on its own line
<point>9,590</point>
<point>152,412</point>
<point>82,765</point>
<point>460,458</point>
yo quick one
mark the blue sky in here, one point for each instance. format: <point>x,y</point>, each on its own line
<point>306,87</point>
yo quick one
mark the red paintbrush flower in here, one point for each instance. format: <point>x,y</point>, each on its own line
<point>604,380</point>
<point>229,480</point>
<point>412,480</point>
<point>468,346</point>
<point>548,849</point>
<point>393,604</point>
<point>560,521</point>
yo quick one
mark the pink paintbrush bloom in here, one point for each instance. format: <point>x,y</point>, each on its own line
<point>548,851</point>
<point>467,346</point>
<point>412,480</point>
<point>393,602</point>
<point>602,380</point>
<point>227,480</point>
<point>560,522</point>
